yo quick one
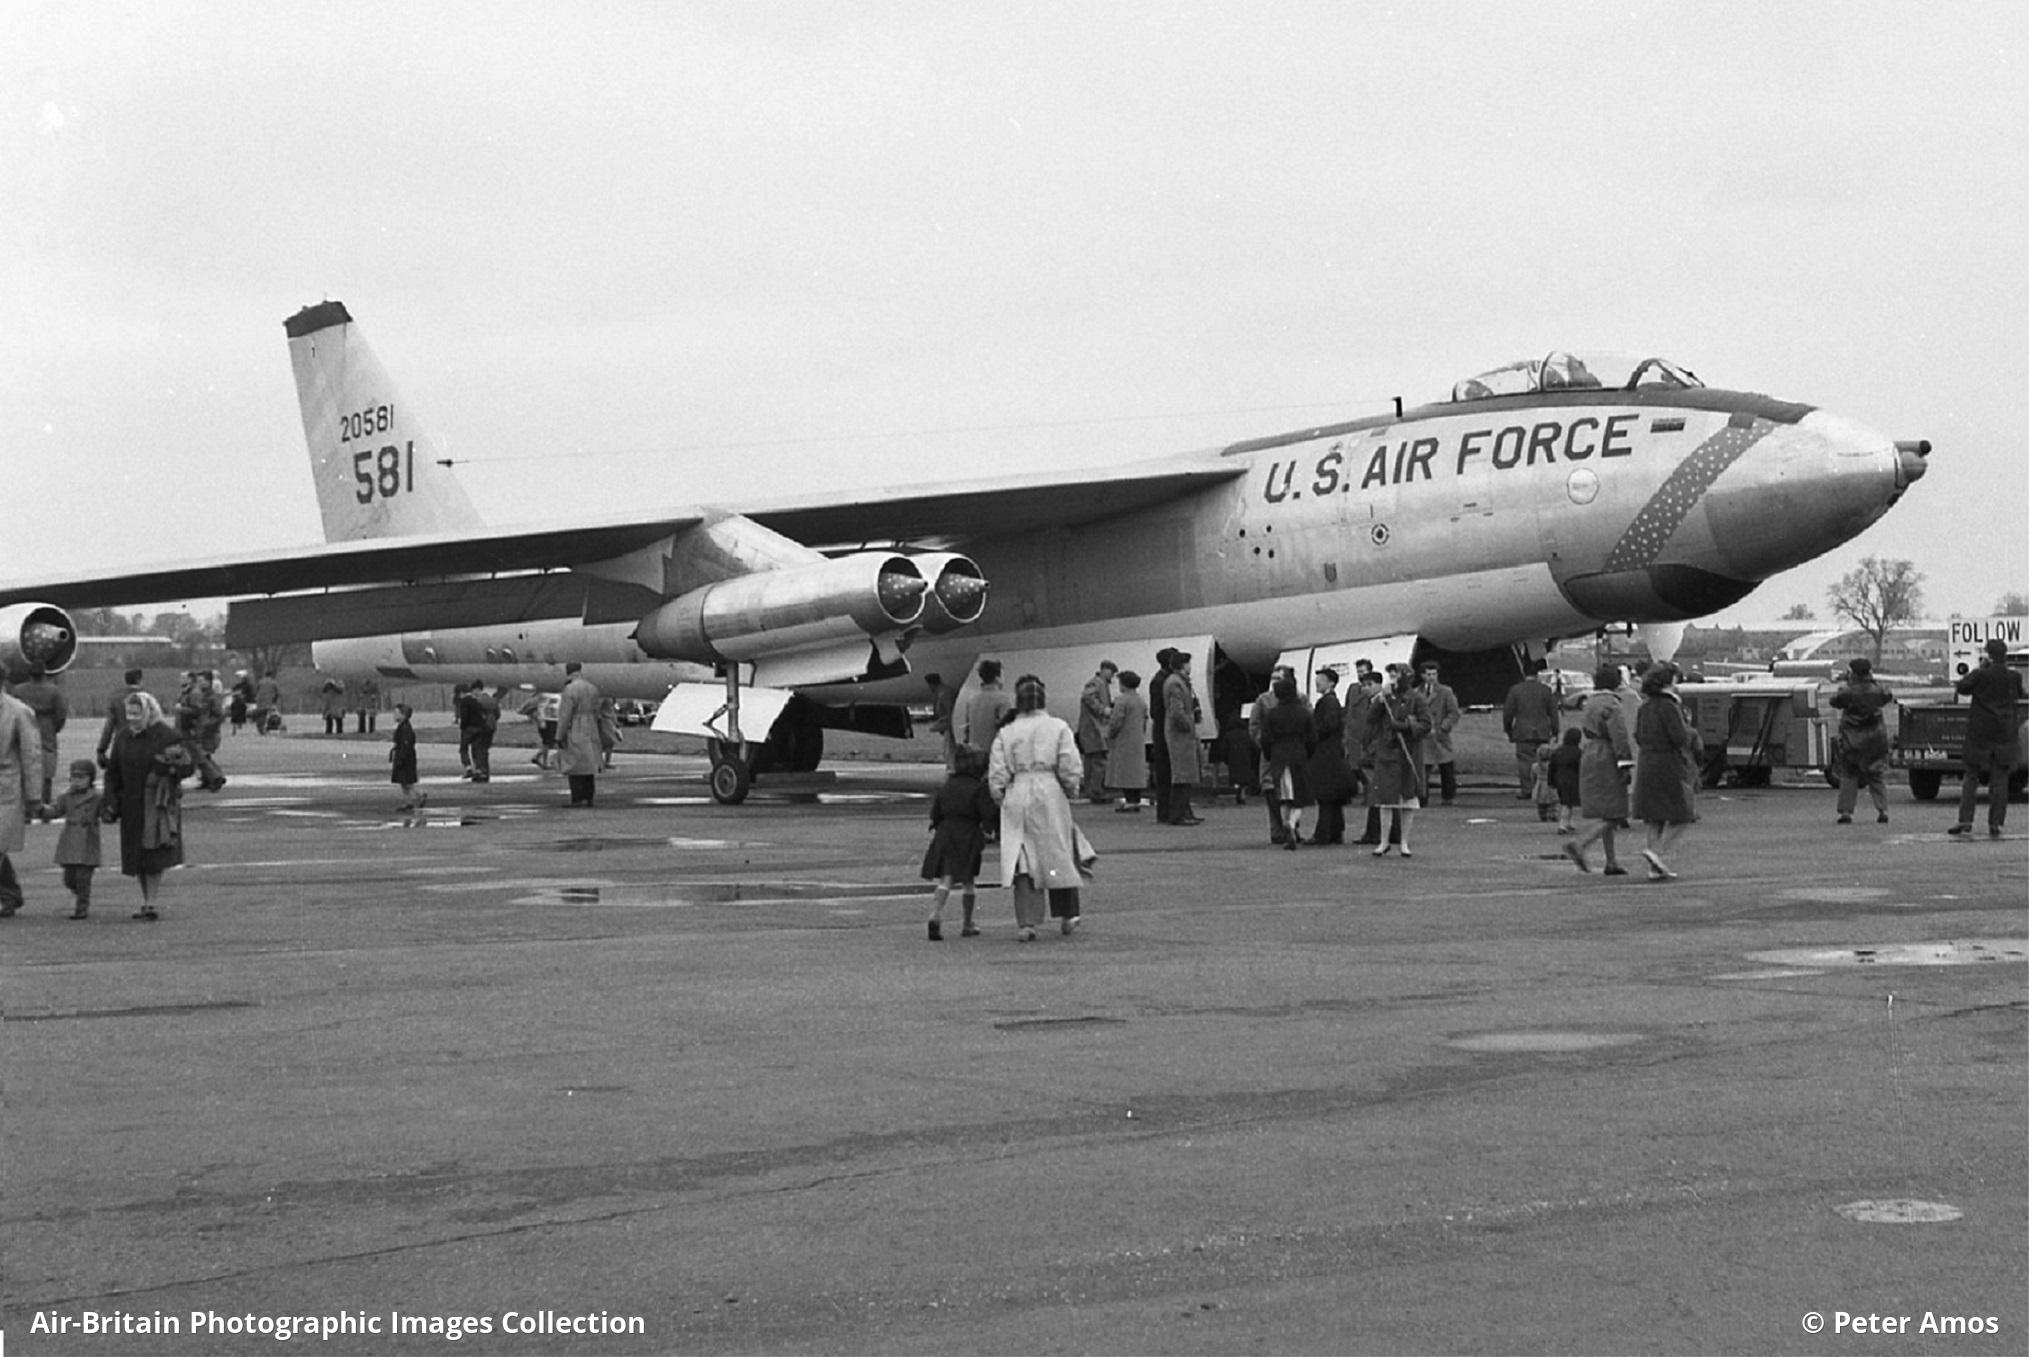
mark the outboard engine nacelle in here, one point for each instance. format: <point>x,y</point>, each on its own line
<point>773,612</point>
<point>35,637</point>
<point>957,594</point>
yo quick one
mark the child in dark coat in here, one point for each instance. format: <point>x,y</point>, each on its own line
<point>959,820</point>
<point>1564,762</point>
<point>77,848</point>
<point>403,757</point>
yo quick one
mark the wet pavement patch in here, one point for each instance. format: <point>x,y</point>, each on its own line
<point>602,845</point>
<point>683,895</point>
<point>1899,1211</point>
<point>1963,952</point>
<point>1030,1024</point>
<point>1833,895</point>
<point>1505,1043</point>
<point>139,1011</point>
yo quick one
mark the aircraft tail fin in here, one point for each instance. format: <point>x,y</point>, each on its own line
<point>379,471</point>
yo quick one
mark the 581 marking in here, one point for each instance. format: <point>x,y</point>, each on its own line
<point>387,472</point>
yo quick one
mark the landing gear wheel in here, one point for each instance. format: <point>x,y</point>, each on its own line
<point>732,775</point>
<point>731,780</point>
<point>1923,784</point>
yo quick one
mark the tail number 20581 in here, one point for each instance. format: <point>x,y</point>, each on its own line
<point>386,472</point>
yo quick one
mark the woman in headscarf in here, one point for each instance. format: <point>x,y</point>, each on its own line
<point>1602,769</point>
<point>1033,770</point>
<point>1400,719</point>
<point>144,791</point>
<point>1288,731</point>
<point>1861,753</point>
<point>1668,755</point>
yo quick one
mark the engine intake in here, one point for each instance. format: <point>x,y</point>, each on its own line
<point>35,636</point>
<point>773,611</point>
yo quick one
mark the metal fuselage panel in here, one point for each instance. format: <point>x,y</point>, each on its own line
<point>1472,525</point>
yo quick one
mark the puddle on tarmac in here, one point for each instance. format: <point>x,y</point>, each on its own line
<point>1899,1211</point>
<point>1551,1040</point>
<point>1833,895</point>
<point>687,894</point>
<point>1964,952</point>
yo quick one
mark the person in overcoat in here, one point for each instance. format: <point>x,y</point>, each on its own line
<point>1127,743</point>
<point>1095,704</point>
<point>1288,734</point>
<point>1861,750</point>
<point>1602,770</point>
<point>1668,757</point>
<point>1438,749</point>
<point>1993,737</point>
<point>962,818</point>
<point>578,734</point>
<point>1180,737</point>
<point>41,695</point>
<point>1400,720</point>
<point>402,755</point>
<point>20,790</point>
<point>1331,776</point>
<point>1033,770</point>
<point>144,792</point>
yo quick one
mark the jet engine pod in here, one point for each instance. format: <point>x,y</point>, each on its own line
<point>772,611</point>
<point>35,636</point>
<point>957,591</point>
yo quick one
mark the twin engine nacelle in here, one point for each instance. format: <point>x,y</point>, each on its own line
<point>807,607</point>
<point>35,636</point>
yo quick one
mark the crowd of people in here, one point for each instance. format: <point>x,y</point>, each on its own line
<point>147,754</point>
<point>1014,770</point>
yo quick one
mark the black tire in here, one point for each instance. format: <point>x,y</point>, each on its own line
<point>1831,776</point>
<point>1714,771</point>
<point>1923,784</point>
<point>1755,777</point>
<point>2018,785</point>
<point>731,780</point>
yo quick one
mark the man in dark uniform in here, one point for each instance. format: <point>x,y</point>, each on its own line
<point>1990,737</point>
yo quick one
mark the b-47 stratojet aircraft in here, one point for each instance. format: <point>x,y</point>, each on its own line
<point>1543,499</point>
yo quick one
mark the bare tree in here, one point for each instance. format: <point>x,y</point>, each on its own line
<point>1877,596</point>
<point>2014,603</point>
<point>1799,612</point>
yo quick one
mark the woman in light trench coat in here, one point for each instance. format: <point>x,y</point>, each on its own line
<point>578,734</point>
<point>1033,771</point>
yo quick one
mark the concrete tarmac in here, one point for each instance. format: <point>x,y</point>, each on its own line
<point>669,1077</point>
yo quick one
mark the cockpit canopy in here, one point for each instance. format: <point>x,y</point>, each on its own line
<point>1561,371</point>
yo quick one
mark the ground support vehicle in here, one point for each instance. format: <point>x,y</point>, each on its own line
<point>1751,728</point>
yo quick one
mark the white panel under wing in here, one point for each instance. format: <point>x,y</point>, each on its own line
<point>700,709</point>
<point>1064,670</point>
<point>1380,651</point>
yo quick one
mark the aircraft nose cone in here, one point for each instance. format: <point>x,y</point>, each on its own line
<point>1912,459</point>
<point>1806,489</point>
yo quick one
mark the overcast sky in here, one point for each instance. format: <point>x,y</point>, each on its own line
<point>631,256</point>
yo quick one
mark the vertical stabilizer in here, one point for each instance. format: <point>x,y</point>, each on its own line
<point>379,472</point>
